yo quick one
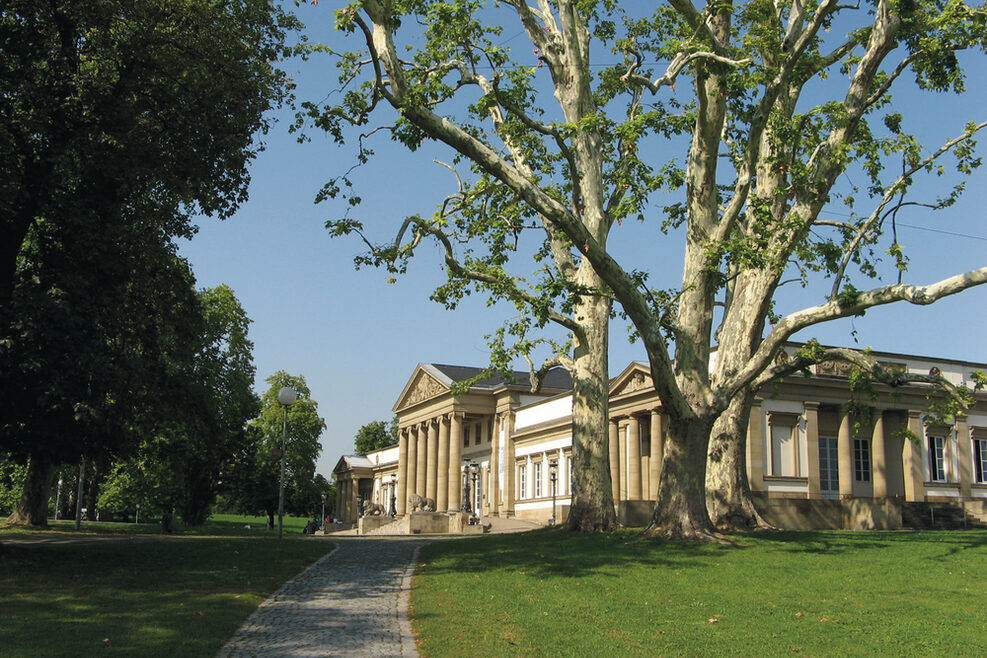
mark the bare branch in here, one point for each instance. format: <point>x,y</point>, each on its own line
<point>537,377</point>
<point>795,322</point>
<point>877,217</point>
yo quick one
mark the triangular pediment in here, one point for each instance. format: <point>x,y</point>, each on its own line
<point>635,377</point>
<point>422,386</point>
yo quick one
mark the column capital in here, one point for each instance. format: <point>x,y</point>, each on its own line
<point>813,406</point>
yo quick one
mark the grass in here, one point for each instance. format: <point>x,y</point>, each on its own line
<point>141,595</point>
<point>795,593</point>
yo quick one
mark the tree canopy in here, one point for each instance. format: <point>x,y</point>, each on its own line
<point>759,135</point>
<point>121,119</point>
<point>376,435</point>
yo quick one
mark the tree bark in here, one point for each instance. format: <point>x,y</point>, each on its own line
<point>33,506</point>
<point>592,507</point>
<point>728,492</point>
<point>680,508</point>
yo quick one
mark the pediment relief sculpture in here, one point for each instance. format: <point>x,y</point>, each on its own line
<point>425,387</point>
<point>635,382</point>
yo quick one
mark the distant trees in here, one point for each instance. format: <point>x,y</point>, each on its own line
<point>376,435</point>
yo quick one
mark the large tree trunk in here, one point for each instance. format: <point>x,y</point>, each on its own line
<point>728,492</point>
<point>680,508</point>
<point>592,506</point>
<point>33,506</point>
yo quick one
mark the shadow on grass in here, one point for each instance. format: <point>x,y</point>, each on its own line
<point>147,597</point>
<point>551,553</point>
<point>833,542</point>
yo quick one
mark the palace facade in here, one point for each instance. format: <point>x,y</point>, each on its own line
<point>810,463</point>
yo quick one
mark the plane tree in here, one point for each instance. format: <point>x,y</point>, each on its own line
<point>747,114</point>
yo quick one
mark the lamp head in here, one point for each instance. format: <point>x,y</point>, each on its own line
<point>287,396</point>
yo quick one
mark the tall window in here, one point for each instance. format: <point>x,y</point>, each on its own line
<point>537,476</point>
<point>861,460</point>
<point>980,459</point>
<point>937,458</point>
<point>479,434</point>
<point>784,444</point>
<point>829,466</point>
<point>466,436</point>
<point>522,481</point>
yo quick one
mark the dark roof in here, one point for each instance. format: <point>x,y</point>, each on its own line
<point>557,378</point>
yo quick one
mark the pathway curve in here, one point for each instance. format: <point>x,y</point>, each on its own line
<point>351,602</point>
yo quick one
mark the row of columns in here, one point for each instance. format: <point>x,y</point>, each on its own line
<point>346,505</point>
<point>634,476</point>
<point>429,456</point>
<point>913,455</point>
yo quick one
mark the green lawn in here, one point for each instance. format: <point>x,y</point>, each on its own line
<point>141,595</point>
<point>795,593</point>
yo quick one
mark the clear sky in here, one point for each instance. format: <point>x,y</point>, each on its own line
<point>357,338</point>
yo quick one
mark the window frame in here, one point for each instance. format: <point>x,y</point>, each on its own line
<point>862,467</point>
<point>937,458</point>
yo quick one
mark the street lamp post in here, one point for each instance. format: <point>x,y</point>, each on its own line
<point>322,521</point>
<point>553,469</point>
<point>287,397</point>
<point>474,472</point>
<point>394,495</point>
<point>467,469</point>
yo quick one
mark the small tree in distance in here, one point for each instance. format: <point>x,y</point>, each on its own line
<point>376,435</point>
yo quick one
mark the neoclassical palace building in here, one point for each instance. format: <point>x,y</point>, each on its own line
<point>810,463</point>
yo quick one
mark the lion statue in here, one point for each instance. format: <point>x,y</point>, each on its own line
<point>420,503</point>
<point>373,509</point>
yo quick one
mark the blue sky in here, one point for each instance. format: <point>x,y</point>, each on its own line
<point>357,338</point>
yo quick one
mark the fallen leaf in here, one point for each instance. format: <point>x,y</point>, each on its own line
<point>713,620</point>
<point>798,614</point>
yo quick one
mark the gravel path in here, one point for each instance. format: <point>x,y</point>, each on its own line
<point>352,602</point>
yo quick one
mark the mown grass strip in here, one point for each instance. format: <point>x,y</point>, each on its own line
<point>181,596</point>
<point>793,593</point>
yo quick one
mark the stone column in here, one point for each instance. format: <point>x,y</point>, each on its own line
<point>412,478</point>
<point>402,492</point>
<point>844,450</point>
<point>455,491</point>
<point>964,452</point>
<point>432,461</point>
<point>495,473</point>
<point>912,462</point>
<point>442,480</point>
<point>509,465</point>
<point>634,459</point>
<point>615,460</point>
<point>812,447</point>
<point>878,456</point>
<point>622,458</point>
<point>755,447</point>
<point>657,452</point>
<point>421,470</point>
